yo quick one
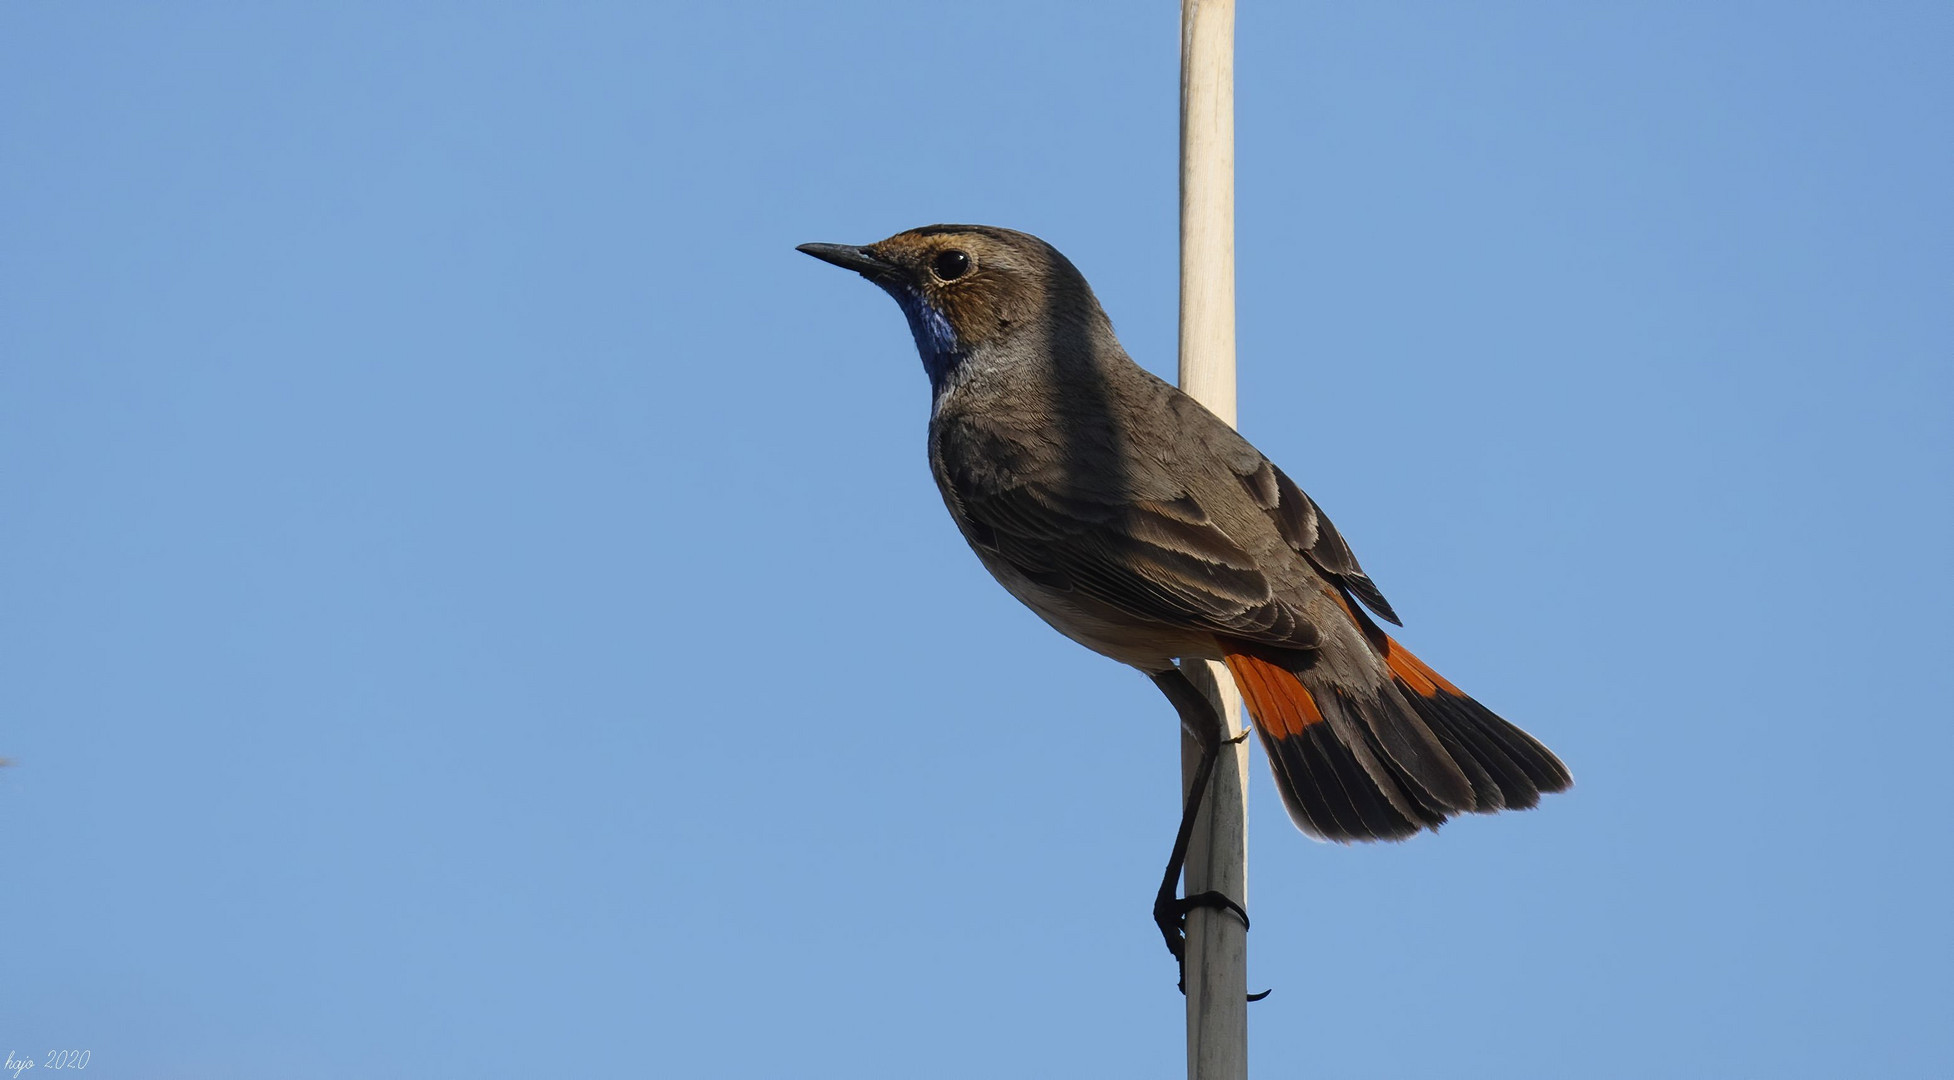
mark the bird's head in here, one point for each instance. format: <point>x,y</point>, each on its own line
<point>967,289</point>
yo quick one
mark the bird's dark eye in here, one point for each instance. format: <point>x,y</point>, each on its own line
<point>951,265</point>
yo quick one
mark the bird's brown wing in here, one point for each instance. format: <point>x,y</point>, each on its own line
<point>1308,530</point>
<point>1162,559</point>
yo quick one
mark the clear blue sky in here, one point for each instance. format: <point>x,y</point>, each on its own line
<point>473,602</point>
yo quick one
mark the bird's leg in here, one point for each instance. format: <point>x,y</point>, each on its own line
<point>1199,718</point>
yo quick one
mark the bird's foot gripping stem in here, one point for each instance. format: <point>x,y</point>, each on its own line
<point>1170,914</point>
<point>1170,911</point>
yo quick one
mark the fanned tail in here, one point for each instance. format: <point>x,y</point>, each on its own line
<point>1513,768</point>
<point>1386,762</point>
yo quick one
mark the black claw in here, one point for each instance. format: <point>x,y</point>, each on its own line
<point>1211,899</point>
<point>1170,913</point>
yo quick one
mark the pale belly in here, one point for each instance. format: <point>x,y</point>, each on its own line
<point>1149,646</point>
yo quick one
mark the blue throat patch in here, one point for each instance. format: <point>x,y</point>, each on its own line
<point>936,342</point>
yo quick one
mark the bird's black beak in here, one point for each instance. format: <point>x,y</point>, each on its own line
<point>850,257</point>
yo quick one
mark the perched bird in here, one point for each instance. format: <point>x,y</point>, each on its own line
<point>1142,526</point>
